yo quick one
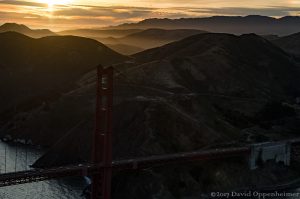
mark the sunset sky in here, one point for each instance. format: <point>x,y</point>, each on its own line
<point>68,14</point>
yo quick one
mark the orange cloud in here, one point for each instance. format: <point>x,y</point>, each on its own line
<point>95,15</point>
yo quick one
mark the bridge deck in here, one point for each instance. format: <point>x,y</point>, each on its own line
<point>36,175</point>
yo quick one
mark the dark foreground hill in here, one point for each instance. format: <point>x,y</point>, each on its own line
<point>20,28</point>
<point>198,93</point>
<point>247,66</point>
<point>212,87</point>
<point>36,71</point>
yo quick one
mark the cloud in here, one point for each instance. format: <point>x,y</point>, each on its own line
<point>86,16</point>
<point>269,11</point>
<point>23,3</point>
<point>116,12</point>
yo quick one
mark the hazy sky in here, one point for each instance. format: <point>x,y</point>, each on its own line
<point>66,14</point>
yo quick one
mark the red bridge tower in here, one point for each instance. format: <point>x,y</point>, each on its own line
<point>102,138</point>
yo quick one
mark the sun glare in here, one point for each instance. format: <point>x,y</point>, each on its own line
<point>51,3</point>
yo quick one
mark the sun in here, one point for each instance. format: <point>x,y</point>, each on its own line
<point>51,3</point>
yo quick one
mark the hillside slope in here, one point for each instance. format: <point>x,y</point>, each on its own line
<point>94,33</point>
<point>211,87</point>
<point>134,40</point>
<point>290,43</point>
<point>220,63</point>
<point>125,49</point>
<point>35,72</point>
<point>151,38</point>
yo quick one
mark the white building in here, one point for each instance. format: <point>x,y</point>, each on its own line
<point>263,152</point>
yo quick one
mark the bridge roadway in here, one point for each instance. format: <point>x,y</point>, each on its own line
<point>36,175</point>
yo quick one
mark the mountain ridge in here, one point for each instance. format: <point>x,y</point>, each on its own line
<point>258,24</point>
<point>135,40</point>
<point>23,29</point>
<point>151,38</point>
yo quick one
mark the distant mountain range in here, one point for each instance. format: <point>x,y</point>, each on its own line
<point>261,25</point>
<point>131,41</point>
<point>94,33</point>
<point>127,42</point>
<point>151,38</point>
<point>20,28</point>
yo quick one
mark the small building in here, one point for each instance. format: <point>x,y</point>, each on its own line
<point>263,152</point>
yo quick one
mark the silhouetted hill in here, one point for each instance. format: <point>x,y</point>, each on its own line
<point>125,49</point>
<point>290,43</point>
<point>151,38</point>
<point>270,37</point>
<point>224,55</point>
<point>261,25</point>
<point>161,34</point>
<point>37,71</point>
<point>94,33</point>
<point>134,40</point>
<point>20,28</point>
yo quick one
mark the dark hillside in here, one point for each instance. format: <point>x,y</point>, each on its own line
<point>37,71</point>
